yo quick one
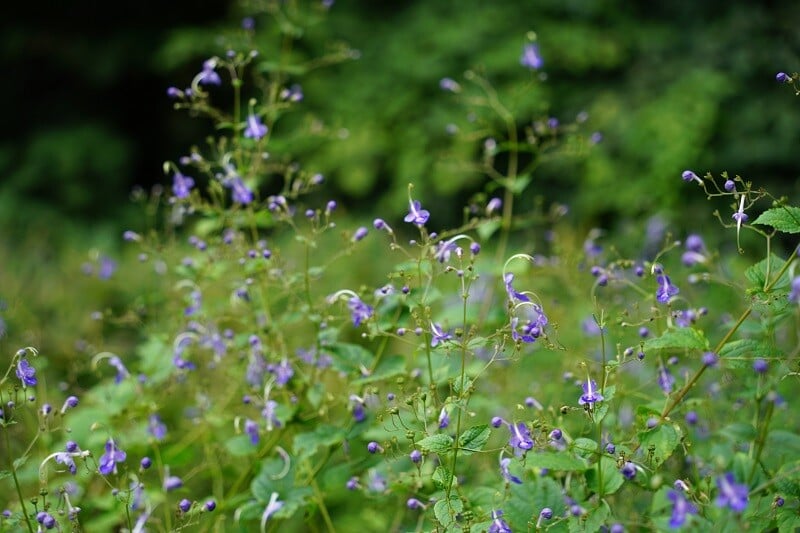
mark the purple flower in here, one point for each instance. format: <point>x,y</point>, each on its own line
<point>498,525</point>
<point>680,508</point>
<point>255,128</point>
<point>760,366</point>
<point>359,414</point>
<point>283,372</point>
<point>444,418</point>
<point>109,460</point>
<point>359,311</point>
<point>208,76</point>
<point>210,505</point>
<point>493,205</point>
<point>666,289</point>
<point>507,475</point>
<point>181,185</point>
<point>448,84</point>
<point>512,294</point>
<point>530,57</point>
<point>443,251</point>
<point>794,294</point>
<point>731,494</point>
<point>359,234</point>
<point>590,393</point>
<point>184,505</point>
<point>239,193</point>
<point>416,215</point>
<point>628,470</point>
<point>26,373</point>
<point>107,268</point>
<point>66,459</point>
<point>414,503</point>
<point>268,413</point>
<point>251,428</point>
<point>710,358</point>
<point>122,372</point>
<point>688,175</point>
<point>438,335</point>
<point>520,436</point>
<point>740,216</point>
<point>172,483</point>
<point>156,427</point>
<point>665,379</point>
<point>782,77</point>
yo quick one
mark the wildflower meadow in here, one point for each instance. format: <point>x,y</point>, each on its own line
<point>260,356</point>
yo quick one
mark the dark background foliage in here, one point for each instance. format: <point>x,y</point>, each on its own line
<point>673,86</point>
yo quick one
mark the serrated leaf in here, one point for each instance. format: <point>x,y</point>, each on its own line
<point>785,219</point>
<point>659,442</point>
<point>757,274</point>
<point>441,477</point>
<point>561,461</point>
<point>446,511</point>
<point>787,480</point>
<point>741,353</point>
<point>788,520</point>
<point>306,444</point>
<point>439,443</point>
<point>473,439</point>
<point>681,338</point>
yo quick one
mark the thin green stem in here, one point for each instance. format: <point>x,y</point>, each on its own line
<point>463,397</point>
<point>322,508</point>
<point>16,481</point>
<point>761,439</point>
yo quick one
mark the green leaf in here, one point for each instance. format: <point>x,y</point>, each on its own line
<point>788,520</point>
<point>584,447</point>
<point>439,443</point>
<point>785,219</point>
<point>394,365</point>
<point>741,353</point>
<point>681,338</point>
<point>757,274</point>
<point>240,445</point>
<point>787,480</point>
<point>473,439</point>
<point>660,442</point>
<point>306,444</point>
<point>442,477</point>
<point>350,358</point>
<point>488,229</point>
<point>4,474</point>
<point>278,477</point>
<point>612,478</point>
<point>531,496</point>
<point>592,520</point>
<point>446,511</point>
<point>562,461</point>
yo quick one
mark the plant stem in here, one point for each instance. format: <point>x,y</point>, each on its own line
<point>322,508</point>
<point>16,481</point>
